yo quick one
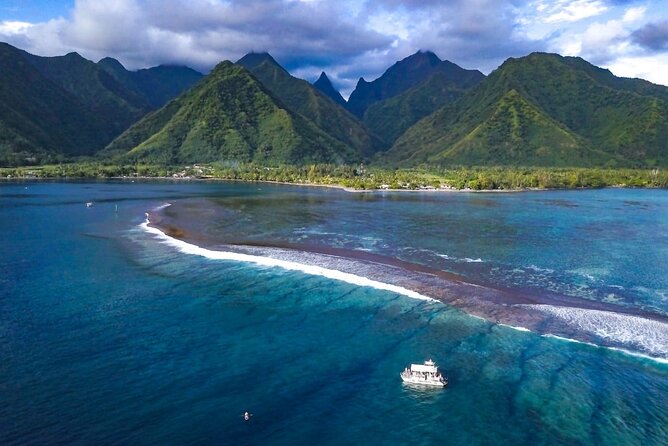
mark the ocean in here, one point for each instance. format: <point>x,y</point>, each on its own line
<point>164,311</point>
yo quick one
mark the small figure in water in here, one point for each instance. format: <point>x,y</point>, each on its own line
<point>247,416</point>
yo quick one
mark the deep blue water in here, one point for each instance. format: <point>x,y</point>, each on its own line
<point>110,336</point>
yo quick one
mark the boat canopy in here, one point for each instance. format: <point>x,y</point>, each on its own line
<point>423,368</point>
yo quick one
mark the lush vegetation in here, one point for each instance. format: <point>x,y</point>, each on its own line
<point>302,98</point>
<point>98,93</point>
<point>230,116</point>
<point>52,108</point>
<point>363,178</point>
<point>612,121</point>
<point>539,110</point>
<point>41,119</point>
<point>391,117</point>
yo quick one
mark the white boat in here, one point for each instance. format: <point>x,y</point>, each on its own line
<point>426,374</point>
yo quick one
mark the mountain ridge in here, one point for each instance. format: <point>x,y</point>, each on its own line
<point>304,99</point>
<point>400,77</point>
<point>606,119</point>
<point>156,85</point>
<point>540,109</point>
<point>229,116</point>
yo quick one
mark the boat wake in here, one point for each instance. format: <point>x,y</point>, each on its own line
<point>560,317</point>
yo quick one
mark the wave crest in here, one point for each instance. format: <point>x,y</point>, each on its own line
<point>188,248</point>
<point>647,335</point>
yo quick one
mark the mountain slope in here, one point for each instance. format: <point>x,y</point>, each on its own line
<point>41,120</point>
<point>324,85</point>
<point>517,132</point>
<point>391,117</point>
<point>102,95</point>
<point>156,85</point>
<point>301,97</point>
<point>622,121</point>
<point>402,76</point>
<point>228,116</point>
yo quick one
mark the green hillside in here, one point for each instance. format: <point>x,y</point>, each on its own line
<point>616,121</point>
<point>391,117</point>
<point>228,116</point>
<point>518,133</point>
<point>156,85</point>
<point>301,97</point>
<point>41,120</point>
<point>109,100</point>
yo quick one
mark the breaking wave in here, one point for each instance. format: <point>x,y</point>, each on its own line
<point>622,332</point>
<point>647,335</point>
<point>188,248</point>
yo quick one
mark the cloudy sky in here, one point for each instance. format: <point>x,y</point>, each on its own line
<point>347,39</point>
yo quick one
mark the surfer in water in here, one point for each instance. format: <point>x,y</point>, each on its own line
<point>247,416</point>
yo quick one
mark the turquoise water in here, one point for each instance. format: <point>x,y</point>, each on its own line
<point>109,335</point>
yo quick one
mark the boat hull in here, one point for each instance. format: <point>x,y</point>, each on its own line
<point>419,381</point>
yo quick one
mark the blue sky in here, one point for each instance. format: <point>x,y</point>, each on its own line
<point>34,11</point>
<point>347,39</point>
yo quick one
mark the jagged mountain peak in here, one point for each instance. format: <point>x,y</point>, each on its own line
<point>325,86</point>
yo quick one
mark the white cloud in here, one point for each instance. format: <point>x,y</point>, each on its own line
<point>604,40</point>
<point>346,38</point>
<point>634,14</point>
<point>572,10</point>
<point>14,27</point>
<point>651,68</point>
<point>199,32</point>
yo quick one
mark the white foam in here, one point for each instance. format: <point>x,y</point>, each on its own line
<point>575,341</point>
<point>539,269</point>
<point>621,350</point>
<point>470,260</point>
<point>514,327</point>
<point>188,248</point>
<point>648,335</point>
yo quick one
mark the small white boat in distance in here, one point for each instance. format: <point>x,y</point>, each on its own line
<point>426,374</point>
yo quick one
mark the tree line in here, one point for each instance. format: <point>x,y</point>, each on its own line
<point>362,177</point>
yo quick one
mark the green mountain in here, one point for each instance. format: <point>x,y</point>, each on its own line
<point>601,119</point>
<point>155,85</point>
<point>55,107</point>
<point>302,98</point>
<point>228,116</point>
<point>519,133</point>
<point>324,85</point>
<point>392,117</point>
<point>404,75</point>
<point>97,91</point>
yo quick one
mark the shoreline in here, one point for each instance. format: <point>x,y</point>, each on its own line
<point>331,186</point>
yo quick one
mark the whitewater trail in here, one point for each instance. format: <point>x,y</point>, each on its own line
<point>188,248</point>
